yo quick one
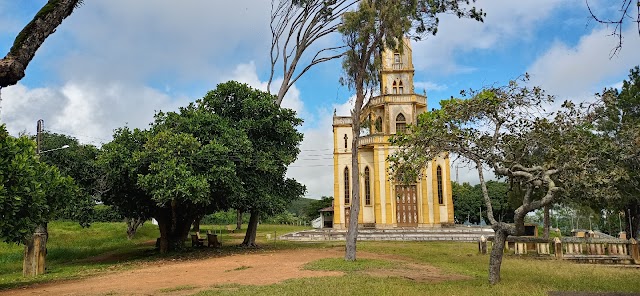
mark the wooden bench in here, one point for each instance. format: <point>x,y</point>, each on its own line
<point>196,240</point>
<point>212,240</point>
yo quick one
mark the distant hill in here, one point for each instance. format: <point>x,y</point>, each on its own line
<point>299,206</point>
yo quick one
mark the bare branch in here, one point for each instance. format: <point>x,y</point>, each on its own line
<point>304,23</point>
<point>619,22</point>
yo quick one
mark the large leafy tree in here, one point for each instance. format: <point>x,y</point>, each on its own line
<point>119,177</point>
<point>228,149</point>
<point>176,181</point>
<point>502,128</point>
<point>78,161</point>
<point>31,194</point>
<point>263,141</point>
<point>617,120</point>
<point>374,26</point>
<point>165,174</point>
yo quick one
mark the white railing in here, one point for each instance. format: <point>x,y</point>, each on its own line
<point>372,139</point>
<point>390,98</point>
<point>341,120</point>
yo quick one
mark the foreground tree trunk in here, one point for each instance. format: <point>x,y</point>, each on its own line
<point>497,251</point>
<point>35,252</point>
<point>547,222</point>
<point>45,22</point>
<point>132,226</point>
<point>174,229</point>
<point>238,219</point>
<point>632,220</point>
<point>352,232</point>
<point>250,236</point>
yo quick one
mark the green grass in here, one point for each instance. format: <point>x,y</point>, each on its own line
<point>178,288</point>
<point>243,267</point>
<point>338,264</point>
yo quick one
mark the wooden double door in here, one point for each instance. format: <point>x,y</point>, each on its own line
<point>406,206</point>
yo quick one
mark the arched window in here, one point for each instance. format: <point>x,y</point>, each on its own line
<point>400,88</point>
<point>346,186</point>
<point>367,187</point>
<point>397,62</point>
<point>439,179</point>
<point>401,123</point>
<point>378,124</point>
<point>395,87</point>
<point>345,140</point>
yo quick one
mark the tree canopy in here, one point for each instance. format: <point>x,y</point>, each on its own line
<point>228,149</point>
<point>468,201</point>
<point>617,120</point>
<point>31,192</point>
<point>505,129</point>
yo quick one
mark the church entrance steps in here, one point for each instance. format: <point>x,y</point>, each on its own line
<point>461,233</point>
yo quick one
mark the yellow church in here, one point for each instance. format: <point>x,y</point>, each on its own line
<point>385,204</point>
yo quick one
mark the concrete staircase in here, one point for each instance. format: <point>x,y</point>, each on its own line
<point>457,233</point>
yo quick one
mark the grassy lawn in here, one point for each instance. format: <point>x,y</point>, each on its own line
<point>76,252</point>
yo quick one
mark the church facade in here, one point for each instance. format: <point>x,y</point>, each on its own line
<point>384,203</point>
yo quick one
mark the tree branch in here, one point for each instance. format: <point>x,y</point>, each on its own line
<point>45,22</point>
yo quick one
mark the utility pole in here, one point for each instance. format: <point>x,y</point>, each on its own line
<point>39,129</point>
<point>35,248</point>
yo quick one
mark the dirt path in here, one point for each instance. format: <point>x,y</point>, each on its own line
<point>188,277</point>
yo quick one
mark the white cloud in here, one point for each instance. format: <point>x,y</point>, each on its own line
<point>429,86</point>
<point>506,21</point>
<point>580,71</point>
<point>88,111</point>
<point>314,167</point>
<point>151,41</point>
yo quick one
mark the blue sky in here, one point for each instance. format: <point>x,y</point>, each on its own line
<point>116,62</point>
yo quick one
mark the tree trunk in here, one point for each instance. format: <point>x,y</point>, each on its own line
<point>547,222</point>
<point>35,252</point>
<point>250,236</point>
<point>352,232</point>
<point>632,220</point>
<point>173,230</point>
<point>132,226</point>
<point>495,259</point>
<point>238,219</point>
<point>518,220</point>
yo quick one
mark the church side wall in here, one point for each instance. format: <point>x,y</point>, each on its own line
<point>365,159</point>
